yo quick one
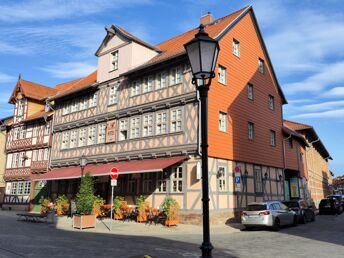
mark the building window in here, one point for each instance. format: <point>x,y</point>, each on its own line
<point>236,48</point>
<point>74,106</point>
<point>147,186</point>
<point>15,160</point>
<point>101,133</point>
<point>177,180</point>
<point>161,182</point>
<point>161,80</point>
<point>261,65</point>
<point>22,131</point>
<point>114,60</point>
<point>16,133</point>
<point>27,187</point>
<point>250,127</point>
<point>22,159</point>
<point>34,155</point>
<point>250,91</point>
<point>161,123</point>
<point>123,129</point>
<point>258,179</point>
<point>93,99</point>
<point>113,95</point>
<point>35,130</point>
<point>47,129</point>
<point>82,137</point>
<point>91,139</point>
<point>65,140</point>
<point>135,89</point>
<point>134,127</point>
<point>21,106</point>
<point>66,109</point>
<point>14,187</point>
<point>222,179</point>
<point>46,154</point>
<point>272,138</point>
<point>176,120</point>
<point>223,122</point>
<point>271,102</point>
<point>222,74</point>
<point>73,139</point>
<point>147,125</point>
<point>148,84</point>
<point>83,103</point>
<point>176,75</point>
<point>290,142</point>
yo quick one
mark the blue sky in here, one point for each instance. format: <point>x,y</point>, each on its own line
<point>49,42</point>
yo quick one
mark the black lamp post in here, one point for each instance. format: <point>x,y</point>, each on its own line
<point>83,163</point>
<point>202,53</point>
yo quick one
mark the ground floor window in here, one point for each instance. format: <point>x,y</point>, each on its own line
<point>147,186</point>
<point>20,188</point>
<point>221,177</point>
<point>177,180</point>
<point>161,182</point>
<point>258,179</point>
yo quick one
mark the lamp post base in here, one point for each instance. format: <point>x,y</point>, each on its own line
<point>206,250</point>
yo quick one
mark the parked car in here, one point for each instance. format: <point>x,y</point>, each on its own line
<point>270,214</point>
<point>303,211</point>
<point>325,206</point>
<point>339,199</point>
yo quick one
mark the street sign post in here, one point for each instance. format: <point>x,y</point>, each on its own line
<point>237,178</point>
<point>114,176</point>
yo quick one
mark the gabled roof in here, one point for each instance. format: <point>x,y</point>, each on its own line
<point>31,90</point>
<point>311,135</point>
<point>289,131</point>
<point>38,115</point>
<point>114,29</point>
<point>75,86</point>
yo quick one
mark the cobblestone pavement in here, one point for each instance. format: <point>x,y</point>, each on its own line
<point>323,238</point>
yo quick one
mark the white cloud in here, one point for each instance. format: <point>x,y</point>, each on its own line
<point>335,92</point>
<point>339,113</point>
<point>330,105</point>
<point>6,78</point>
<point>34,10</point>
<point>69,70</point>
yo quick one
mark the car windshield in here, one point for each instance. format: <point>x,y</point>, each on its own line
<point>325,201</point>
<point>291,204</point>
<point>256,207</point>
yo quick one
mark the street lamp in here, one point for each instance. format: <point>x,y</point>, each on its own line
<point>202,52</point>
<point>83,163</point>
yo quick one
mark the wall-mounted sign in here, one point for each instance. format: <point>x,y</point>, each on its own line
<point>111,131</point>
<point>294,187</point>
<point>237,178</point>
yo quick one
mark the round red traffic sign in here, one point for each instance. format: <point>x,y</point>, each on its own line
<point>114,173</point>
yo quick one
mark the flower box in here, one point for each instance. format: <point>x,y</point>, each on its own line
<point>84,221</point>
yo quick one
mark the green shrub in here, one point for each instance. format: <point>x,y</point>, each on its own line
<point>117,204</point>
<point>170,207</point>
<point>85,197</point>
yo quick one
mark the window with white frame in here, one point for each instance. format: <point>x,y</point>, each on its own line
<point>258,179</point>
<point>221,179</point>
<point>272,138</point>
<point>34,155</point>
<point>101,133</point>
<point>93,101</point>
<point>22,157</point>
<point>147,184</point>
<point>123,129</point>
<point>66,109</point>
<point>250,95</point>
<point>21,107</point>
<point>91,135</point>
<point>161,182</point>
<point>20,189</point>
<point>176,120</point>
<point>65,140</point>
<point>250,130</point>
<point>47,129</point>
<point>176,75</point>
<point>236,47</point>
<point>114,60</point>
<point>161,81</point>
<point>40,154</point>
<point>27,187</point>
<point>223,122</point>
<point>135,88</point>
<point>16,133</point>
<point>82,137</point>
<point>83,103</point>
<point>134,127</point>
<point>15,160</point>
<point>161,123</point>
<point>74,106</point>
<point>261,65</point>
<point>46,154</point>
<point>271,101</point>
<point>35,130</point>
<point>14,187</point>
<point>147,125</point>
<point>22,131</point>
<point>113,94</point>
<point>222,74</point>
<point>177,180</point>
<point>73,139</point>
<point>147,84</point>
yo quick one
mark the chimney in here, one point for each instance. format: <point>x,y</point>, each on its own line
<point>207,19</point>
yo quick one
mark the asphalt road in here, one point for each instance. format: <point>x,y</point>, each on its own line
<point>323,238</point>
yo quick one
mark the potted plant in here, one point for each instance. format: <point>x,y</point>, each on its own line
<point>46,204</point>
<point>171,209</point>
<point>117,205</point>
<point>97,204</point>
<point>141,205</point>
<point>62,203</point>
<point>84,204</point>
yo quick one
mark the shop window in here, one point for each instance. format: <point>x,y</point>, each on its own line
<point>91,139</point>
<point>177,180</point>
<point>161,182</point>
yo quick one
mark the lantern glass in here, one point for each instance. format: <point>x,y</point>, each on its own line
<point>83,161</point>
<point>193,52</point>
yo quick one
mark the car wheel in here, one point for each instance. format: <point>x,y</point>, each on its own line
<point>295,221</point>
<point>276,226</point>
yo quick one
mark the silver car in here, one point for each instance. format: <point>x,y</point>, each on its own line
<point>270,214</point>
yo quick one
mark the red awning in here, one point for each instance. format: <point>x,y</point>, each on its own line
<point>124,167</point>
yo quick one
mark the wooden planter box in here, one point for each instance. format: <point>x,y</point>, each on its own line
<point>171,222</point>
<point>84,221</point>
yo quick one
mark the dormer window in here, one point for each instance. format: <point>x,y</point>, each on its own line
<point>114,61</point>
<point>21,105</point>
